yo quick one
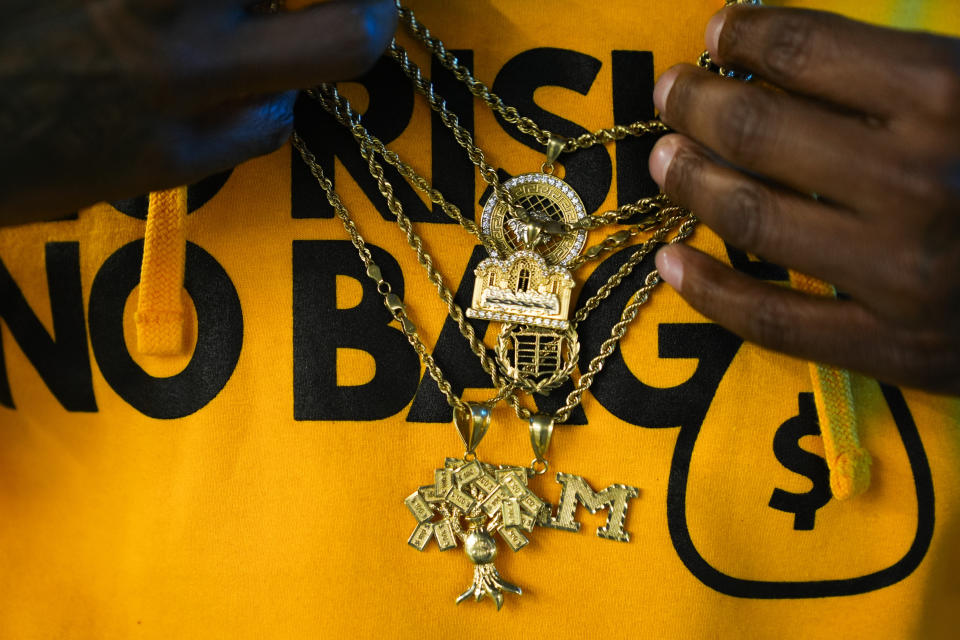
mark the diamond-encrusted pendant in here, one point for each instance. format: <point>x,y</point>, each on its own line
<point>546,199</point>
<point>525,283</point>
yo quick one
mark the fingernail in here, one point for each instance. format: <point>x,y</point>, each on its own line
<point>714,27</point>
<point>660,158</point>
<point>662,89</point>
<point>670,267</point>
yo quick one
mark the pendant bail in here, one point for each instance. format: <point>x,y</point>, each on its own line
<point>555,147</point>
<point>472,424</point>
<point>541,430</point>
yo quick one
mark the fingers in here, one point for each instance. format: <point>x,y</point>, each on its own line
<point>793,230</point>
<point>812,328</point>
<point>789,139</point>
<point>224,137</point>
<point>778,225</point>
<point>874,70</point>
<point>323,43</point>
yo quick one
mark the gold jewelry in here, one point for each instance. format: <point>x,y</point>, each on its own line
<point>534,227</point>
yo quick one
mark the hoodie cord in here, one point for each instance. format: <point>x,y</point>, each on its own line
<point>849,463</point>
<point>160,312</point>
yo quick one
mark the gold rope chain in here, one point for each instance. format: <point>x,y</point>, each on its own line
<point>339,107</point>
<point>682,221</point>
<point>653,209</point>
<point>663,217</point>
<point>510,114</point>
<point>423,86</point>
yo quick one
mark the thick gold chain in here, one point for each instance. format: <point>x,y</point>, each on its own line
<point>506,390</point>
<point>660,216</point>
<point>651,209</point>
<point>423,86</point>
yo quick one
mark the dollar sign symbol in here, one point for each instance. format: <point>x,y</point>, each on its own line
<point>786,446</point>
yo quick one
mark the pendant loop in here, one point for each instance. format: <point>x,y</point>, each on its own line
<point>541,430</point>
<point>539,466</point>
<point>472,424</point>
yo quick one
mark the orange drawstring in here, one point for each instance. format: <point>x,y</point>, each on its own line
<point>849,463</point>
<point>160,313</point>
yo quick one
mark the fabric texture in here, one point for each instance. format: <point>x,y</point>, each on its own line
<point>251,483</point>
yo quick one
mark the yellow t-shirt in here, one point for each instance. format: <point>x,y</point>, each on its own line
<point>254,486</point>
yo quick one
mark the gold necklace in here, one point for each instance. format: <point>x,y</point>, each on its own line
<point>670,218</point>
<point>524,284</point>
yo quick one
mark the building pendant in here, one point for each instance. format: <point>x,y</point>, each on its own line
<point>525,283</point>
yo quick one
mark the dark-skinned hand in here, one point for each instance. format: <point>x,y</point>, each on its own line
<point>867,118</point>
<point>103,100</point>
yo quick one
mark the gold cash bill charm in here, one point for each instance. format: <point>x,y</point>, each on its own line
<point>472,502</point>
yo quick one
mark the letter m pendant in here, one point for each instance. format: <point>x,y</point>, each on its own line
<point>615,498</point>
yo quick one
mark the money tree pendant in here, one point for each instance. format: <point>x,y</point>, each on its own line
<point>476,503</point>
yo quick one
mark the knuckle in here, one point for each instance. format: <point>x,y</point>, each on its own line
<point>920,289</point>
<point>272,138</point>
<point>926,360</point>
<point>942,223</point>
<point>768,323</point>
<point>925,185</point>
<point>940,197</point>
<point>790,39</point>
<point>683,172</point>
<point>928,282</point>
<point>944,93</point>
<point>749,122</point>
<point>942,83</point>
<point>276,127</point>
<point>373,28</point>
<point>908,364</point>
<point>743,215</point>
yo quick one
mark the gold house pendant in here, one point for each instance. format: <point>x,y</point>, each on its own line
<point>522,289</point>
